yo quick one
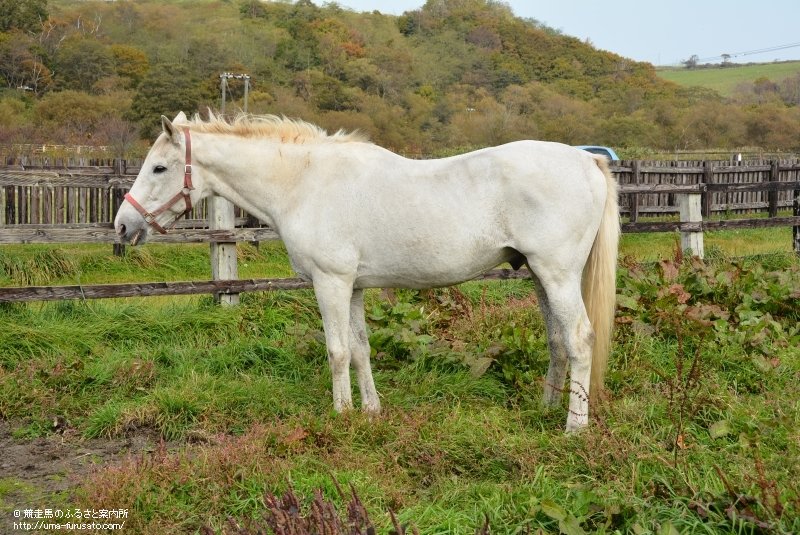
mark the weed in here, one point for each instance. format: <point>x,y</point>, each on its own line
<point>684,388</point>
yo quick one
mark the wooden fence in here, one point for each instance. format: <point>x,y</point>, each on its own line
<point>721,179</point>
<point>52,204</point>
<point>58,193</point>
<point>67,204</point>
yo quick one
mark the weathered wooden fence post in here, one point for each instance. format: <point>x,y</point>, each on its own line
<point>224,264</point>
<point>636,180</point>
<point>9,208</point>
<point>707,196</point>
<point>690,205</point>
<point>253,222</point>
<point>117,197</point>
<point>772,195</point>
<point>796,228</point>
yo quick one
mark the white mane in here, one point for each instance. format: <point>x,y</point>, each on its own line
<point>270,126</point>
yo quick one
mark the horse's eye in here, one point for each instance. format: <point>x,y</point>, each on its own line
<point>159,169</point>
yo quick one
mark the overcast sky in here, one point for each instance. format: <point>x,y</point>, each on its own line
<point>661,32</point>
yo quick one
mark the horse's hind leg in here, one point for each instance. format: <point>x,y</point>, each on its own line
<point>557,370</point>
<point>359,352</point>
<point>573,330</point>
<point>333,297</point>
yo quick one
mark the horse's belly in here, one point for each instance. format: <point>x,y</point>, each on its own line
<point>430,272</point>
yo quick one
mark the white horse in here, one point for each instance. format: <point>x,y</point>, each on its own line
<point>353,215</point>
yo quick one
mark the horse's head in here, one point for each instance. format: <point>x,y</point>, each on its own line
<point>165,189</point>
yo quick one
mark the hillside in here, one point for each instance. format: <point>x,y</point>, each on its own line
<point>451,75</point>
<point>726,80</point>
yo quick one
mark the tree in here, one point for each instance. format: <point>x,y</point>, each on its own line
<point>21,65</point>
<point>692,62</point>
<point>790,90</point>
<point>773,126</point>
<point>253,9</point>
<point>167,90</point>
<point>130,63</point>
<point>12,113</point>
<point>713,124</point>
<point>336,45</point>
<point>77,114</point>
<point>634,130</point>
<point>764,86</point>
<point>81,62</point>
<point>325,92</point>
<point>22,15</point>
<point>119,134</point>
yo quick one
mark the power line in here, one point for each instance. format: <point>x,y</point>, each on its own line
<point>749,52</point>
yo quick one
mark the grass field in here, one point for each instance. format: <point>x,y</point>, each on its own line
<point>726,79</point>
<point>698,432</point>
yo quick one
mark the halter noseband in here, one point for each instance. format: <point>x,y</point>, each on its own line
<point>150,217</point>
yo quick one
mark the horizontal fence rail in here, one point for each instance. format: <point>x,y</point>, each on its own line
<point>217,287</point>
<point>104,233</point>
<point>43,203</point>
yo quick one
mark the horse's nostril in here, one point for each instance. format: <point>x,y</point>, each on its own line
<point>121,230</point>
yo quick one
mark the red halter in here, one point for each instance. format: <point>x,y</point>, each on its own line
<point>150,217</point>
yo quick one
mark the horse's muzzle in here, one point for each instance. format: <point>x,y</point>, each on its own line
<point>131,230</point>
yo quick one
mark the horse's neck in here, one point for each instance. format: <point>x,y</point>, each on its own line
<point>255,174</point>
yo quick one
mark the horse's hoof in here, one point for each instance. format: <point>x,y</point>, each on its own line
<point>575,429</point>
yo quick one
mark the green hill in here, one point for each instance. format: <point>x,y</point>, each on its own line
<point>725,80</point>
<point>452,75</point>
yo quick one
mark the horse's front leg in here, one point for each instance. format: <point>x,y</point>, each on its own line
<point>333,296</point>
<point>359,352</point>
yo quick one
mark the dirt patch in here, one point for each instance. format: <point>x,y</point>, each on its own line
<point>40,473</point>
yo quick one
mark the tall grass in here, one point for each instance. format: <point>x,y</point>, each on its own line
<point>24,265</point>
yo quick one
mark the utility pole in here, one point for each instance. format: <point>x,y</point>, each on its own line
<point>223,87</point>
<point>246,90</point>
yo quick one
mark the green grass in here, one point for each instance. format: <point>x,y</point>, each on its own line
<point>725,80</point>
<point>735,243</point>
<point>732,243</point>
<point>23,265</point>
<point>244,394</point>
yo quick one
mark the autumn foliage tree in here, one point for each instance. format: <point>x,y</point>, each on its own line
<point>22,63</point>
<point>22,15</point>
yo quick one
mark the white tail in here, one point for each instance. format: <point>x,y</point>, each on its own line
<point>600,282</point>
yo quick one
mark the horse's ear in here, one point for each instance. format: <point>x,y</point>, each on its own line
<point>170,129</point>
<point>180,118</point>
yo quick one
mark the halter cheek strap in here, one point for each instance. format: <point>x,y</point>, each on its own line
<point>183,194</point>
